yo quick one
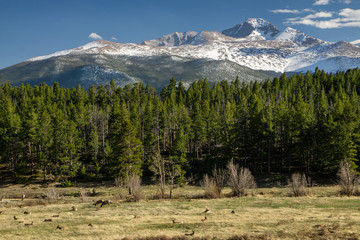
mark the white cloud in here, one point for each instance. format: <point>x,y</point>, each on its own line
<point>332,23</point>
<point>293,11</point>
<point>319,15</point>
<point>95,36</point>
<point>307,10</point>
<point>285,11</point>
<point>346,1</point>
<point>327,2</point>
<point>350,13</point>
<point>321,2</point>
<point>345,18</point>
<point>114,38</point>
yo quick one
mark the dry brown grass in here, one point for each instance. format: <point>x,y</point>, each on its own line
<point>271,215</point>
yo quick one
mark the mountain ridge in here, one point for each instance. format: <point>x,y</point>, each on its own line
<point>255,47</point>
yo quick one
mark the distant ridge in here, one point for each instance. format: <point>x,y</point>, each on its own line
<point>252,50</point>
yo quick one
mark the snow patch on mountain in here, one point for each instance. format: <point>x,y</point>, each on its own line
<point>95,75</point>
<point>356,42</point>
<point>253,27</point>
<point>333,64</point>
<point>256,44</point>
<point>293,35</point>
<point>171,40</point>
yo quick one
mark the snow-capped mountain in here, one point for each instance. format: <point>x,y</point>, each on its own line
<point>171,40</point>
<point>252,50</point>
<point>253,28</point>
<point>293,35</point>
<point>356,42</point>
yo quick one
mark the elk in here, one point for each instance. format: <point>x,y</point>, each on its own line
<point>190,234</point>
<point>98,202</point>
<point>204,220</point>
<point>177,222</point>
<point>29,224</point>
<point>105,203</point>
<point>207,211</point>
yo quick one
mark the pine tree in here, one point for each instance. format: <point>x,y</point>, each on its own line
<point>126,149</point>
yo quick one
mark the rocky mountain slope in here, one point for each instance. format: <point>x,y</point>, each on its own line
<point>253,50</point>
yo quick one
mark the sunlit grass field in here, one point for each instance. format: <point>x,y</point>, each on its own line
<point>267,213</point>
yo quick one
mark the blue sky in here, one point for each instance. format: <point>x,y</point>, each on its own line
<point>31,28</point>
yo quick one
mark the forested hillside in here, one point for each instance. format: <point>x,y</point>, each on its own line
<point>307,123</point>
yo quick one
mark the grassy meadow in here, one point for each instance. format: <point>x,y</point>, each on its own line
<point>267,213</point>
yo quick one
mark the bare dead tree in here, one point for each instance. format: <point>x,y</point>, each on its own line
<point>157,166</point>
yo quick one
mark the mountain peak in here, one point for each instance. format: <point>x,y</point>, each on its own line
<point>294,35</point>
<point>172,39</point>
<point>290,29</point>
<point>257,22</point>
<point>253,28</point>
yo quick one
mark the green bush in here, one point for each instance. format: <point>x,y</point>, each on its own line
<point>66,183</point>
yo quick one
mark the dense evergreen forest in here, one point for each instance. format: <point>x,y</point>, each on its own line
<point>304,123</point>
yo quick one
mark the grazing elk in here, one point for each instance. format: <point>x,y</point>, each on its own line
<point>29,224</point>
<point>177,222</point>
<point>98,202</point>
<point>207,211</point>
<point>106,202</point>
<point>190,234</point>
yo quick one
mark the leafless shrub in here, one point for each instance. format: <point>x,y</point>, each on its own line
<point>297,185</point>
<point>53,195</point>
<point>84,195</point>
<point>211,189</point>
<point>214,185</point>
<point>220,177</point>
<point>118,181</point>
<point>240,179</point>
<point>348,180</point>
<point>122,193</point>
<point>134,185</point>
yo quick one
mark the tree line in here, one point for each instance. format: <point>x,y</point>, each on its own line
<point>306,122</point>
